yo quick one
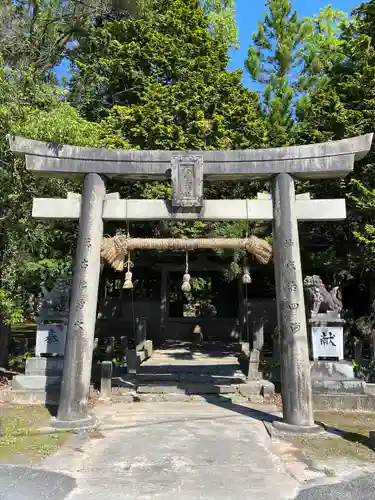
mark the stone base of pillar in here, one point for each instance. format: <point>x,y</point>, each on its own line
<point>87,423</point>
<point>280,427</point>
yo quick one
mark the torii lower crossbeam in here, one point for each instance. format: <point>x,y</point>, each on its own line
<point>212,210</point>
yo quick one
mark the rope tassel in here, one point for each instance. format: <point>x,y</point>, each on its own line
<point>128,283</point>
<point>186,287</point>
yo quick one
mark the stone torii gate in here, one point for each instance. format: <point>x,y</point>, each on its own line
<point>188,170</point>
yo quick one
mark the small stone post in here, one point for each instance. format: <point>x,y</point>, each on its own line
<point>256,352</point>
<point>294,362</point>
<point>106,379</point>
<point>73,411</point>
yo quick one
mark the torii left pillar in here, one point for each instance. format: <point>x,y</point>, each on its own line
<point>73,406</point>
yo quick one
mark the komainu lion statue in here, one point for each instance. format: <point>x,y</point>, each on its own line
<point>55,301</point>
<point>318,298</point>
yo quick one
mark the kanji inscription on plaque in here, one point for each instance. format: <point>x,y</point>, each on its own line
<point>50,339</point>
<point>187,181</point>
<point>327,342</point>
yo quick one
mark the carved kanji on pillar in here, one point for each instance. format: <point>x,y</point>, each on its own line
<point>187,181</point>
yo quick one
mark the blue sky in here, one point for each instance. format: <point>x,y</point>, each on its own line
<point>248,13</point>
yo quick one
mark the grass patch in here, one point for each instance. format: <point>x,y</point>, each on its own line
<point>18,427</point>
<point>348,437</point>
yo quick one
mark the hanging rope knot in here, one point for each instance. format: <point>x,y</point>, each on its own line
<point>113,252</point>
<point>261,249</point>
<point>128,283</point>
<point>186,287</point>
<point>246,278</point>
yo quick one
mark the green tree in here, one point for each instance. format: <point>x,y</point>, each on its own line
<point>32,105</point>
<point>36,34</point>
<point>221,17</point>
<point>163,83</point>
<point>289,57</point>
<point>345,108</point>
<point>118,61</point>
<point>32,252</point>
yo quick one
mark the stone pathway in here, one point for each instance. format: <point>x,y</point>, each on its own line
<point>182,451</point>
<point>175,451</point>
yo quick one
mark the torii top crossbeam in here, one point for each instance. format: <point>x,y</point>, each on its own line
<point>325,160</point>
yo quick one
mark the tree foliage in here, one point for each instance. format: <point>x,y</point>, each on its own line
<point>152,74</point>
<point>36,34</point>
<point>221,18</point>
<point>289,57</point>
<point>146,75</point>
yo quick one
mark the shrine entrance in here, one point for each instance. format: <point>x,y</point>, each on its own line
<point>213,303</point>
<point>209,312</point>
<point>187,172</point>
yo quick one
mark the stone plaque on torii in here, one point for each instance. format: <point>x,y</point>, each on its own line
<point>188,170</point>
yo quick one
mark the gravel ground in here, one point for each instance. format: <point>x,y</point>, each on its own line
<point>26,483</point>
<point>358,489</point>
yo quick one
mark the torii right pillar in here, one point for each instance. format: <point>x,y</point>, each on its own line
<point>294,359</point>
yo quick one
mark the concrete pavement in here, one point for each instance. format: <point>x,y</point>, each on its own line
<point>176,451</point>
<point>179,451</point>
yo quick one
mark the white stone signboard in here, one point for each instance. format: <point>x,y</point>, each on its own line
<point>328,342</point>
<point>50,339</point>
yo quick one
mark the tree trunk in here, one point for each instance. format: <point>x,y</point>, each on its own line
<point>4,343</point>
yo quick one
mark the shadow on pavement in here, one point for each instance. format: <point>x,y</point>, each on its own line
<point>260,415</point>
<point>353,437</point>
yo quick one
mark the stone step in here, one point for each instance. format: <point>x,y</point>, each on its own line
<point>205,347</point>
<point>237,378</point>
<point>250,389</point>
<point>209,369</point>
<point>345,401</point>
<point>182,354</point>
<point>186,388</point>
<point>219,399</point>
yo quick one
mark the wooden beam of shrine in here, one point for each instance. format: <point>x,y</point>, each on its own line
<point>225,210</point>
